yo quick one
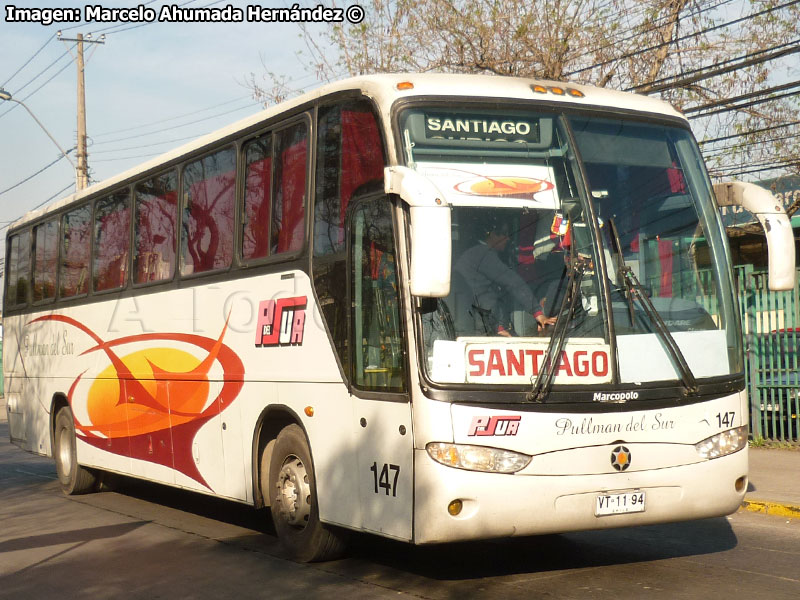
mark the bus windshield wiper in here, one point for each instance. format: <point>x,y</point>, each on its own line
<point>544,381</point>
<point>635,291</point>
<point>621,267</point>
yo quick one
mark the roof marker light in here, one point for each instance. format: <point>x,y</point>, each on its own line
<point>405,85</point>
<point>557,90</point>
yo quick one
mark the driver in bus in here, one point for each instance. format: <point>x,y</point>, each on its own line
<point>491,281</point>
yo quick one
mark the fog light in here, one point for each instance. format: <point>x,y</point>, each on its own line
<point>454,508</point>
<point>740,484</point>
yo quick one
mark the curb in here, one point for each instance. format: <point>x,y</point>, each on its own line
<point>772,508</point>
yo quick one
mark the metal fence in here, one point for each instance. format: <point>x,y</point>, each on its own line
<point>771,325</point>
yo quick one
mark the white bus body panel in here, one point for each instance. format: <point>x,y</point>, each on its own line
<point>518,505</point>
<point>572,464</point>
<point>209,448</point>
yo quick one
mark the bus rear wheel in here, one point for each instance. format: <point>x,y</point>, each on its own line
<point>74,478</point>
<point>293,500</point>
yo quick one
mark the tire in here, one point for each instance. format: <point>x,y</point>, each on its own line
<point>292,493</point>
<point>74,478</point>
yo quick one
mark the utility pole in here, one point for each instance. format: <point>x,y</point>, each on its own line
<point>83,165</point>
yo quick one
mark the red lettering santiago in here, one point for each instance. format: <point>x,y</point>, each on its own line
<point>526,363</point>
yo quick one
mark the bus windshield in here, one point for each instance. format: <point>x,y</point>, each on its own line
<point>630,202</point>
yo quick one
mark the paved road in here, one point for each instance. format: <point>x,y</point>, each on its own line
<point>145,541</point>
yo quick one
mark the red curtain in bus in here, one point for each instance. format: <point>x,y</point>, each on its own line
<point>362,155</point>
<point>155,232</point>
<point>255,233</point>
<point>112,242</point>
<point>289,211</point>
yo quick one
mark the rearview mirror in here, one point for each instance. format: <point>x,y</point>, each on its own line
<point>430,231</point>
<point>777,227</point>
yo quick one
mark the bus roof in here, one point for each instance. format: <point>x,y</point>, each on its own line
<point>384,90</point>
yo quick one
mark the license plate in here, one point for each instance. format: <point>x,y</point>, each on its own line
<point>614,504</point>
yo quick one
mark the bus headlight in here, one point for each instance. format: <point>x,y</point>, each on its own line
<point>477,458</point>
<point>724,443</point>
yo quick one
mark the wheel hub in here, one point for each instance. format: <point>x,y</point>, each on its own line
<point>294,492</point>
<point>64,452</point>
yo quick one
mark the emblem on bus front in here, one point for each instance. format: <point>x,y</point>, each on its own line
<point>621,458</point>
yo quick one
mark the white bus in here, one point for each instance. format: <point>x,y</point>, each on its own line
<point>430,307</point>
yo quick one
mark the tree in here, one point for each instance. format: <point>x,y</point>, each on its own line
<point>712,59</point>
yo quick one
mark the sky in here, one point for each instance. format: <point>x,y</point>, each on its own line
<point>149,89</point>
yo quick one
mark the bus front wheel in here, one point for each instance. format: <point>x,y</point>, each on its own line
<point>74,478</point>
<point>293,500</point>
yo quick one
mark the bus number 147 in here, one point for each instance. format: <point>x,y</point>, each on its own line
<point>382,480</point>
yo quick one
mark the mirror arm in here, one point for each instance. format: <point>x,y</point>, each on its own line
<point>777,227</point>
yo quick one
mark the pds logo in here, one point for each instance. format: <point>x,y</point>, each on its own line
<point>485,425</point>
<point>281,322</point>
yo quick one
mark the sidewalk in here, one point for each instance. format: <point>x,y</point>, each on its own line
<point>774,482</point>
<point>774,479</point>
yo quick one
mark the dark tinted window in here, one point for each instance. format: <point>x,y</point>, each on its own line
<point>112,221</point>
<point>349,156</point>
<point>209,187</point>
<point>45,260</point>
<point>257,198</point>
<point>289,195</point>
<point>19,268</point>
<point>75,240</point>
<point>156,206</point>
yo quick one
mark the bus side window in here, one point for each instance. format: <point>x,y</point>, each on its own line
<point>156,212</point>
<point>19,269</point>
<point>209,191</point>
<point>288,199</point>
<point>257,198</point>
<point>111,241</point>
<point>73,273</point>
<point>349,154</point>
<point>45,260</point>
<point>378,346</point>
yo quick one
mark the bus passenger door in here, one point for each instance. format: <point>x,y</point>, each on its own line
<point>382,412</point>
<point>386,490</point>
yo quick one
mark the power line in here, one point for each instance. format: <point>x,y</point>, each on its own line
<point>121,27</point>
<point>239,99</point>
<point>139,147</point>
<point>43,71</point>
<point>683,38</point>
<point>787,49</point>
<point>751,171</point>
<point>655,26</point>
<point>767,164</point>
<point>41,204</point>
<point>64,68</point>
<point>27,62</point>
<point>748,96</point>
<point>745,105</point>
<point>101,160</point>
<point>722,149</point>
<point>744,133</point>
<point>29,177</point>
<point>130,137</point>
